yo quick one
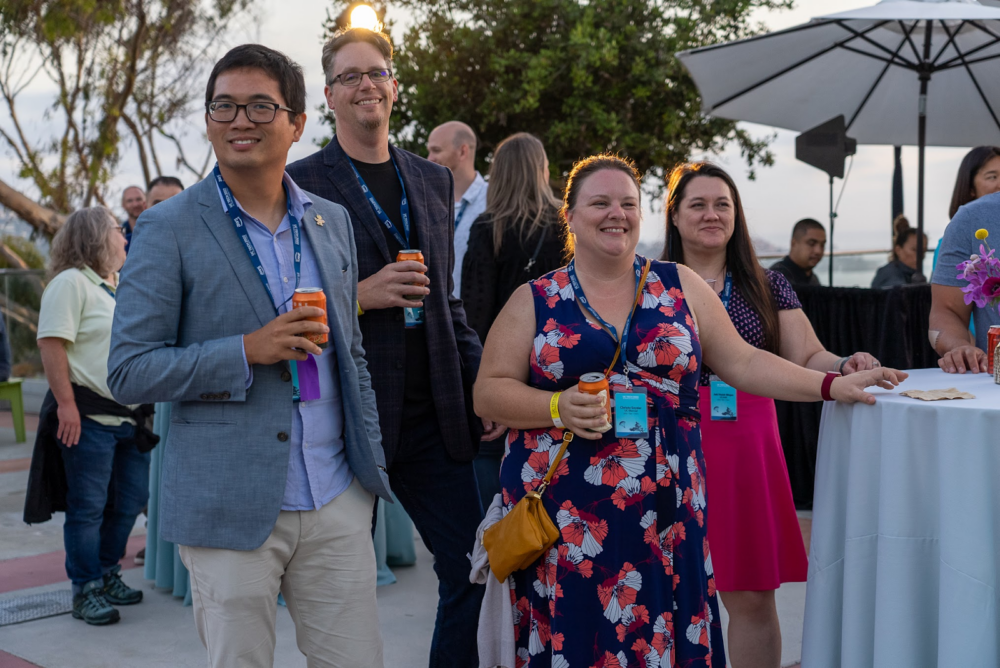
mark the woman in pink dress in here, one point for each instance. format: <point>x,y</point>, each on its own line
<point>754,533</point>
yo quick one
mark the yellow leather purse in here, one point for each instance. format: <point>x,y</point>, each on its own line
<point>527,531</point>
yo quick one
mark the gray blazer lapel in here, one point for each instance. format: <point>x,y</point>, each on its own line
<point>221,227</point>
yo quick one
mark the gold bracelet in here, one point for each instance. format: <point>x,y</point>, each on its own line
<point>554,411</point>
<point>360,311</point>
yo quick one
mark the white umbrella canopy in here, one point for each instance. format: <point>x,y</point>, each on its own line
<point>920,72</point>
<point>865,64</point>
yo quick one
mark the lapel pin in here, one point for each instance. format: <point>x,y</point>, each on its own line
<point>319,220</point>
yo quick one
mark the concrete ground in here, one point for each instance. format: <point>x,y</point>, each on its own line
<point>160,632</point>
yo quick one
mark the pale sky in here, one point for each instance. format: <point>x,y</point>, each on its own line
<point>780,195</point>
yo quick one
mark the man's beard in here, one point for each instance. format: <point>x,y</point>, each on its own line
<point>372,123</point>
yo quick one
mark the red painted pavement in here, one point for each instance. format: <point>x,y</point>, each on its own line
<point>11,661</point>
<point>46,569</point>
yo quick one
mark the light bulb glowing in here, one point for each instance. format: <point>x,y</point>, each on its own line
<point>363,16</point>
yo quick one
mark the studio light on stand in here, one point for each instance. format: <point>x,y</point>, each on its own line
<point>825,147</point>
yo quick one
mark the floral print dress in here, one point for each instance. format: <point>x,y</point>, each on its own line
<point>629,583</point>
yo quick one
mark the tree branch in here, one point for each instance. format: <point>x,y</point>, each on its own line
<point>143,159</point>
<point>43,219</point>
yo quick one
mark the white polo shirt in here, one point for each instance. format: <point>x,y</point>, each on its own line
<point>467,209</point>
<point>76,307</point>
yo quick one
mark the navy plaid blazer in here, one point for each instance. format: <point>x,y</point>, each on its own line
<point>453,346</point>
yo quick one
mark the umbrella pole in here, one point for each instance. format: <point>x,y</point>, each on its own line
<point>925,77</point>
<point>832,217</point>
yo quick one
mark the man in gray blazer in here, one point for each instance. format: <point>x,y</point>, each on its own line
<point>274,451</point>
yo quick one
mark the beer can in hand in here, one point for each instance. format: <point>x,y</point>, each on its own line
<point>992,339</point>
<point>596,383</point>
<point>312,297</point>
<point>413,316</point>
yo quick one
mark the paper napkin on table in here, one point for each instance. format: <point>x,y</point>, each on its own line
<point>937,395</point>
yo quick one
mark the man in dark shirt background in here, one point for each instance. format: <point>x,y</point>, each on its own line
<point>808,244</point>
<point>422,376</point>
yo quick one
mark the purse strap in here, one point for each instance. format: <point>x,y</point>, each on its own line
<point>567,434</point>
<point>635,305</point>
<point>567,437</point>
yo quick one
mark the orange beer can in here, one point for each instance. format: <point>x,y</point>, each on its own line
<point>992,339</point>
<point>413,316</point>
<point>595,383</point>
<point>312,297</point>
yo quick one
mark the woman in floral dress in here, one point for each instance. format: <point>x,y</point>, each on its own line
<point>629,582</point>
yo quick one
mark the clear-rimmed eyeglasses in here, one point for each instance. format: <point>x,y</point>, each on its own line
<point>222,111</point>
<point>352,79</point>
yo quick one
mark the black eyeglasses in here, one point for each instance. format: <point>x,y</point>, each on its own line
<point>352,79</point>
<point>257,112</point>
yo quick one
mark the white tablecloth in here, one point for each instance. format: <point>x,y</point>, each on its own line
<point>903,563</point>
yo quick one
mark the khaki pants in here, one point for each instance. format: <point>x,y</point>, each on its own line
<point>323,562</point>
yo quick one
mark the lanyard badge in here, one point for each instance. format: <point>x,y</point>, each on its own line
<point>723,400</point>
<point>630,406</point>
<point>230,207</point>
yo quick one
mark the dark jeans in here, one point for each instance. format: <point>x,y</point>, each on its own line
<point>107,487</point>
<point>487,465</point>
<point>442,499</point>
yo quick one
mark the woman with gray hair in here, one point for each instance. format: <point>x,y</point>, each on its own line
<point>106,461</point>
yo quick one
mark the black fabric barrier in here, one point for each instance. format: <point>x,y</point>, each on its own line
<point>889,324</point>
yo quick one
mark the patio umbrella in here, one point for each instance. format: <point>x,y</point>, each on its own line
<point>901,72</point>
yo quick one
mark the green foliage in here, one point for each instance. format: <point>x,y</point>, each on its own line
<point>123,72</point>
<point>583,76</point>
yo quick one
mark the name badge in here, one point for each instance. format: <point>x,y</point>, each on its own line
<point>723,400</point>
<point>413,317</point>
<point>631,416</point>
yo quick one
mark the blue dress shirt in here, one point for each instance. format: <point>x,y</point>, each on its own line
<point>318,471</point>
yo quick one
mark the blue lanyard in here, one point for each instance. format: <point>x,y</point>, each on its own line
<point>109,291</point>
<point>229,204</point>
<point>727,291</point>
<point>461,212</point>
<point>404,206</point>
<point>578,289</point>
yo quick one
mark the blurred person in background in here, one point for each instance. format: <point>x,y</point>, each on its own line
<point>902,267</point>
<point>163,188</point>
<point>808,244</point>
<point>754,533</point>
<point>104,454</point>
<point>519,238</point>
<point>974,205</point>
<point>134,203</point>
<point>5,355</point>
<point>453,145</point>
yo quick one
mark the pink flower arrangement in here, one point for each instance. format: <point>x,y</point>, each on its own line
<point>983,274</point>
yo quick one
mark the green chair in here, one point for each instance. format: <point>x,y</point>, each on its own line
<point>11,391</point>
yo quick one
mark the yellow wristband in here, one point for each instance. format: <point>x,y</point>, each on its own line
<point>360,312</point>
<point>554,411</point>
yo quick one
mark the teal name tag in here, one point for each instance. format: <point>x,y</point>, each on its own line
<point>723,400</point>
<point>631,416</point>
<point>413,317</point>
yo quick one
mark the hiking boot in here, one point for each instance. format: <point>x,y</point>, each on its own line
<point>92,607</point>
<point>117,592</point>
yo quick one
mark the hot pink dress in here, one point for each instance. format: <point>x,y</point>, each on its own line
<point>754,533</point>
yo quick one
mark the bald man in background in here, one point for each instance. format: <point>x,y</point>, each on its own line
<point>134,203</point>
<point>453,145</point>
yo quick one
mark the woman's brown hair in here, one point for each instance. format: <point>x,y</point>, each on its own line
<point>964,183</point>
<point>741,260</point>
<point>585,168</point>
<point>84,240</point>
<point>519,195</point>
<point>901,233</point>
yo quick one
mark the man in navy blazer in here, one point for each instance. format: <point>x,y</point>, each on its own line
<point>422,375</point>
<point>273,457</point>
